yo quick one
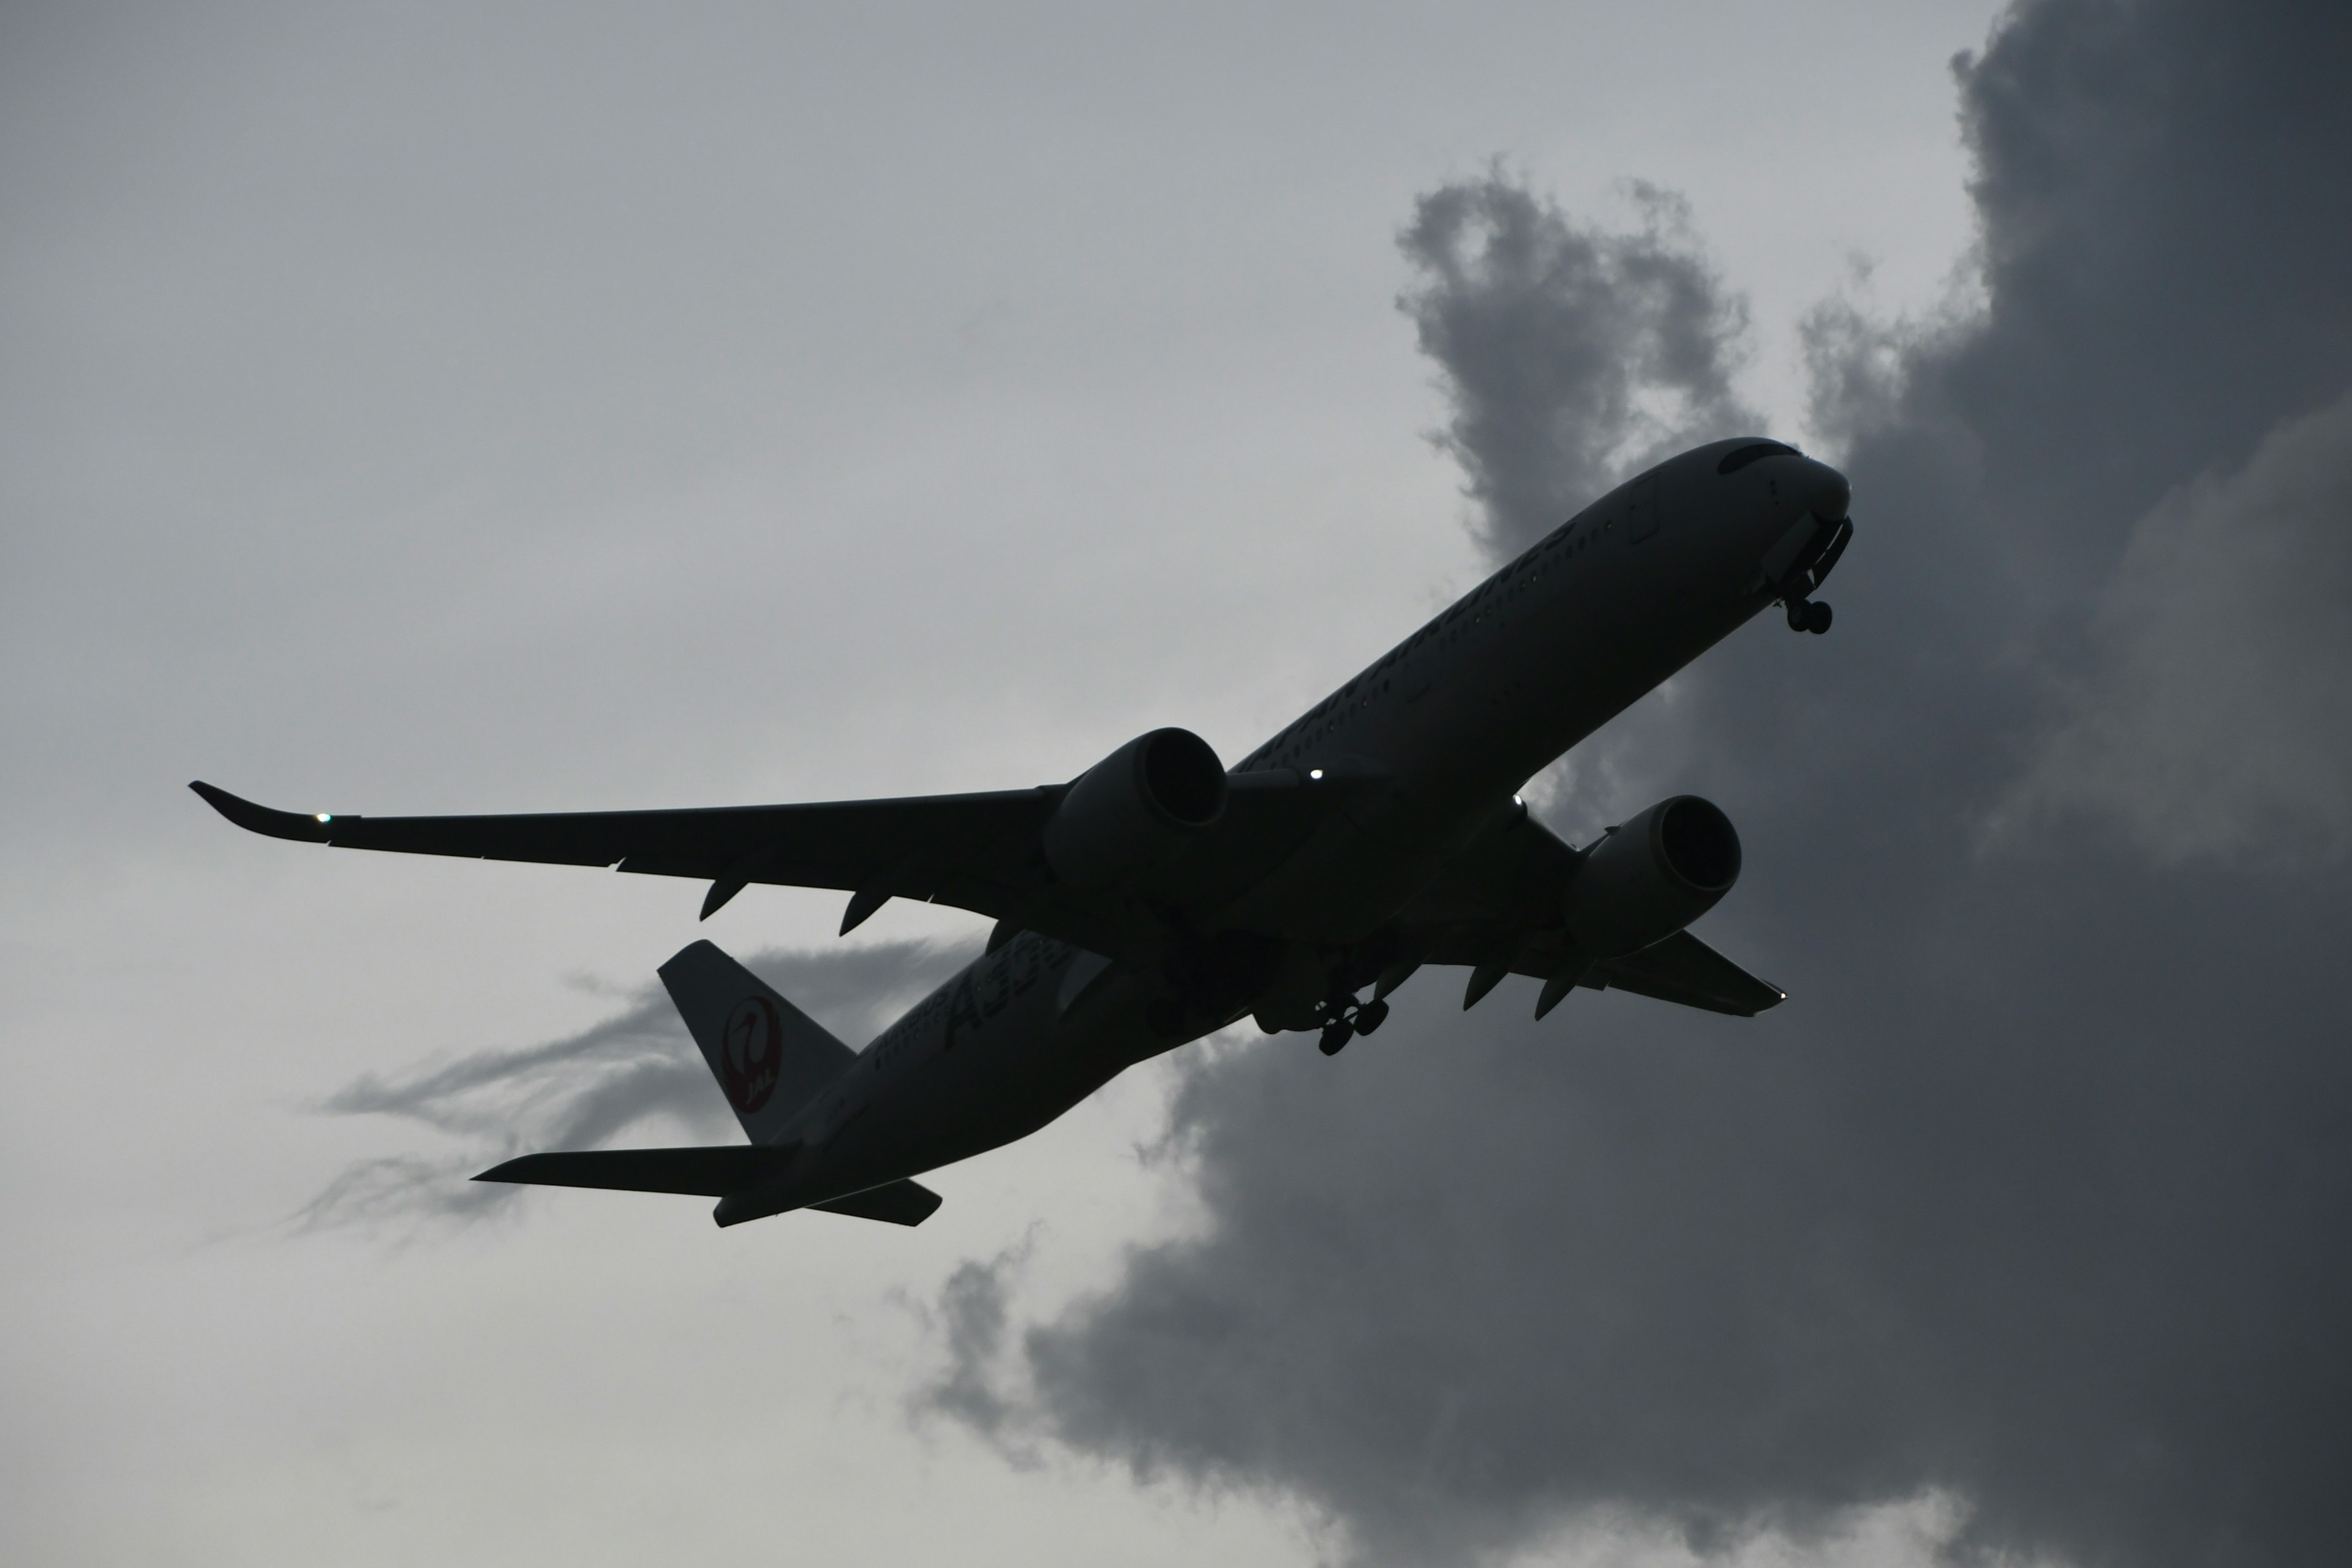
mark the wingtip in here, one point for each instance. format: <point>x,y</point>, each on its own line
<point>255,818</point>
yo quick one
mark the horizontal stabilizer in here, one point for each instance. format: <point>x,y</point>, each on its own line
<point>714,1173</point>
<point>899,1202</point>
<point>711,1172</point>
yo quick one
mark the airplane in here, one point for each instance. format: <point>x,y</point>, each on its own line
<point>1159,895</point>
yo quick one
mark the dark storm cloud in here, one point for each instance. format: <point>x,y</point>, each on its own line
<point>2165,220</point>
<point>2036,1190</point>
<point>636,1067</point>
<point>1571,356</point>
<point>2217,722</point>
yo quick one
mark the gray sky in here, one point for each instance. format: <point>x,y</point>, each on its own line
<point>509,407</point>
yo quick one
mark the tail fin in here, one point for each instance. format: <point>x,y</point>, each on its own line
<point>769,1057</point>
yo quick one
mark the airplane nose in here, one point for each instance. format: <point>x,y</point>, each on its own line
<point>1830,494</point>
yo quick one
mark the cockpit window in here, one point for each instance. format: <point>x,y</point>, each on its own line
<point>1739,457</point>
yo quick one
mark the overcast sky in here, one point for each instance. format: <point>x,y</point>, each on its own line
<point>512,407</point>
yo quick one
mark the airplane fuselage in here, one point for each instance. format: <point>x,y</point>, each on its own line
<point>1425,750</point>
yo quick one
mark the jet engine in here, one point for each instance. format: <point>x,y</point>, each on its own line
<point>1651,877</point>
<point>1127,811</point>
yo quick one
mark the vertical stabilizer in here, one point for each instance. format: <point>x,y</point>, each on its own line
<point>769,1057</point>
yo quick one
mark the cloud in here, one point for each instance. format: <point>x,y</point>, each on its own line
<point>617,1076</point>
<point>1571,356</point>
<point>2164,243</point>
<point>973,1314</point>
<point>2026,1201</point>
<point>2217,722</point>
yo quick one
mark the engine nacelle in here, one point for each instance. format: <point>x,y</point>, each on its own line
<point>1131,809</point>
<point>1652,877</point>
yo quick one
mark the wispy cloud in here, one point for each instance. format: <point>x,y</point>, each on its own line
<point>625,1073</point>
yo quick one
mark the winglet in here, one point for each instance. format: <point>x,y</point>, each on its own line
<point>311,829</point>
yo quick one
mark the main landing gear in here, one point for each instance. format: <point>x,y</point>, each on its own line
<point>1345,1018</point>
<point>1808,616</point>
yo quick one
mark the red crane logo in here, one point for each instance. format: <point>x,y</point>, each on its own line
<point>750,1049</point>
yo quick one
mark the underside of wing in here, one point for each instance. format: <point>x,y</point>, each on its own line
<point>981,852</point>
<point>976,852</point>
<point>1681,969</point>
<point>1496,912</point>
<point>1686,970</point>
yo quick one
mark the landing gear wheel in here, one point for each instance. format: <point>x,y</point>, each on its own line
<point>1801,614</point>
<point>1817,617</point>
<point>1371,1016</point>
<point>1336,1035</point>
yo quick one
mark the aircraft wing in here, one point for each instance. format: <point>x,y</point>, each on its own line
<point>974,851</point>
<point>1682,969</point>
<point>1686,970</point>
<point>977,852</point>
<point>1495,910</point>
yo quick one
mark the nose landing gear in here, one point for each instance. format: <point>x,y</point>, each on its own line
<point>1810,571</point>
